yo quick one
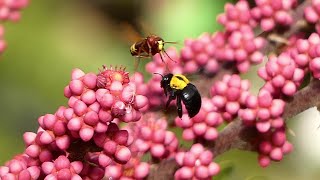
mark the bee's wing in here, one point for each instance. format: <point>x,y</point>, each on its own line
<point>191,100</point>
<point>129,33</point>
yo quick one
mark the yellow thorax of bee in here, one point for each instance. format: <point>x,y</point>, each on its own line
<point>179,82</point>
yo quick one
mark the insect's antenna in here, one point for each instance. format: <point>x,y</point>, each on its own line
<point>158,74</point>
<point>170,42</point>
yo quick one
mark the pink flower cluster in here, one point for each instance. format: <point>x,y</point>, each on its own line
<point>306,53</point>
<point>196,164</point>
<point>10,9</point>
<point>62,168</point>
<point>150,134</point>
<point>229,95</point>
<point>265,113</point>
<point>203,125</point>
<point>282,75</point>
<point>238,44</point>
<point>114,143</point>
<point>271,13</point>
<point>134,169</point>
<point>208,51</point>
<point>85,130</point>
<point>312,14</point>
<point>236,16</point>
<point>198,54</point>
<point>246,48</point>
<point>20,167</point>
<point>273,146</point>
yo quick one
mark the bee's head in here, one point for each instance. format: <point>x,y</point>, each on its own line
<point>165,82</point>
<point>166,79</point>
<point>160,44</point>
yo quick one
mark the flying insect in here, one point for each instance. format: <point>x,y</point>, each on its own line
<point>148,47</point>
<point>179,87</point>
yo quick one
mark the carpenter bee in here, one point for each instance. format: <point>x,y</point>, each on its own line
<point>179,87</point>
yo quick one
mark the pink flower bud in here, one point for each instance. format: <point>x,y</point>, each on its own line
<point>263,126</point>
<point>104,160</point>
<point>86,133</point>
<point>110,147</point>
<point>75,124</point>
<point>188,134</point>
<point>79,108</point>
<point>76,87</point>
<point>90,80</point>
<point>157,150</point>
<point>201,172</point>
<point>88,97</point>
<point>264,161</point>
<point>142,170</point>
<point>276,154</point>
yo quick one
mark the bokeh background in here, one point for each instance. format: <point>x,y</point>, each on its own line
<point>54,37</point>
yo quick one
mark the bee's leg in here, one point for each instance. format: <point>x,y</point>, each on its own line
<point>137,61</point>
<point>150,52</point>
<point>179,106</point>
<point>161,56</point>
<point>171,97</point>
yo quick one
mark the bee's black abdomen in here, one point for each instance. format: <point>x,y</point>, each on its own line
<point>191,99</point>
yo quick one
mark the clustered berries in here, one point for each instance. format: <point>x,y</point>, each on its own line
<point>312,13</point>
<point>263,111</point>
<point>85,133</point>
<point>196,164</point>
<point>199,54</point>
<point>62,168</point>
<point>306,54</point>
<point>282,76</point>
<point>229,95</point>
<point>150,134</point>
<point>236,16</point>
<point>134,169</point>
<point>203,125</point>
<point>273,145</point>
<point>21,166</point>
<point>10,10</point>
<point>270,13</point>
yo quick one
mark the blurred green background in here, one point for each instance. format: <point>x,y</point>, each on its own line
<point>53,37</point>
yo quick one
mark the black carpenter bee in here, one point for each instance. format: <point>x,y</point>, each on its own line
<point>179,87</point>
